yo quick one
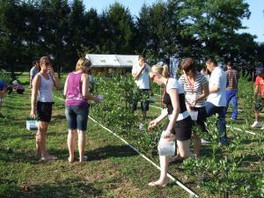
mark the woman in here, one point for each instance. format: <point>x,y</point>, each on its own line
<point>41,104</point>
<point>77,108</point>
<point>196,90</point>
<point>179,124</point>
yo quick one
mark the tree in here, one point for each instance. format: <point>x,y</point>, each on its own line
<point>54,29</point>
<point>119,28</point>
<point>212,23</point>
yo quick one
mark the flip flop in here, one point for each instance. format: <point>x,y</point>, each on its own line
<point>154,183</point>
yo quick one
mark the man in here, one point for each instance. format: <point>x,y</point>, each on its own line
<point>216,101</point>
<point>141,76</point>
<point>231,89</point>
<point>33,71</point>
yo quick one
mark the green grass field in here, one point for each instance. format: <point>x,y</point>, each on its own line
<point>113,169</point>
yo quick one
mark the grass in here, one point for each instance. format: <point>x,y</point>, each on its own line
<point>113,169</point>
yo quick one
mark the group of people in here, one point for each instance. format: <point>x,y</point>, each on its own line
<point>193,91</point>
<point>76,105</point>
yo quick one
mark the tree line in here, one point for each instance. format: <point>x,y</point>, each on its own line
<point>66,30</point>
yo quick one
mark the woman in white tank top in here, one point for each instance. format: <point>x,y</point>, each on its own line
<point>41,104</point>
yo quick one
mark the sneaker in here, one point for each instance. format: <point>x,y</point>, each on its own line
<point>141,126</point>
<point>204,141</point>
<point>256,124</point>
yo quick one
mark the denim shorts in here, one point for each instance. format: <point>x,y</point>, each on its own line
<point>77,117</point>
<point>44,111</point>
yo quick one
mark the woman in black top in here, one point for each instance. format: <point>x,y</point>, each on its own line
<point>179,126</point>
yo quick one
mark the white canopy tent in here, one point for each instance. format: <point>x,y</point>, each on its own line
<point>112,60</point>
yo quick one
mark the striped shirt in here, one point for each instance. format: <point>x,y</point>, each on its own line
<point>193,91</point>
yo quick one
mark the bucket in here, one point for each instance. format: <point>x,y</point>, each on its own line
<point>166,147</point>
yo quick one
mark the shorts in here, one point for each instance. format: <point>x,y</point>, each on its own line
<point>143,93</point>
<point>77,117</point>
<point>182,129</point>
<point>44,111</point>
<point>259,103</point>
<point>201,114</point>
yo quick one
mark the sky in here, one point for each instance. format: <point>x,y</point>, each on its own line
<point>255,23</point>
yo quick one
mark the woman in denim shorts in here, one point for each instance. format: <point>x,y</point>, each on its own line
<point>77,108</point>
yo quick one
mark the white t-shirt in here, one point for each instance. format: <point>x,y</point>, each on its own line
<point>218,78</point>
<point>143,80</point>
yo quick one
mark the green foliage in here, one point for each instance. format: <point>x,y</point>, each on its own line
<point>5,76</point>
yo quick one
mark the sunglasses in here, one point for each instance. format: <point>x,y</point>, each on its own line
<point>47,64</point>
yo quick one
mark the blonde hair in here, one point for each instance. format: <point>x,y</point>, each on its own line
<point>161,70</point>
<point>82,63</point>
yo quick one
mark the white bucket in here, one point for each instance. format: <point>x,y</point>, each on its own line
<point>194,115</point>
<point>166,147</point>
<point>31,125</point>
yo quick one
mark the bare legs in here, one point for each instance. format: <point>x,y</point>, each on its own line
<point>71,141</point>
<point>81,145</point>
<point>163,179</point>
<point>41,141</point>
<point>184,152</point>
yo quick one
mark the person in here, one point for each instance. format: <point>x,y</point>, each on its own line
<point>259,97</point>
<point>196,90</point>
<point>216,100</point>
<point>17,87</point>
<point>3,91</point>
<point>140,74</point>
<point>179,125</point>
<point>77,108</point>
<point>231,89</point>
<point>33,72</point>
<point>41,104</point>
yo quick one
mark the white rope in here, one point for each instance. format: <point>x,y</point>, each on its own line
<point>142,155</point>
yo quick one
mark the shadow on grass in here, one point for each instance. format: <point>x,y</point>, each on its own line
<point>110,151</point>
<point>68,188</point>
<point>13,155</point>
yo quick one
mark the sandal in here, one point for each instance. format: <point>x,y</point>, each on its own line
<point>155,183</point>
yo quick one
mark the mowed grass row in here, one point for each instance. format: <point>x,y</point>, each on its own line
<point>112,169</point>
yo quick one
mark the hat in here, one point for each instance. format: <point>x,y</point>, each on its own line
<point>259,71</point>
